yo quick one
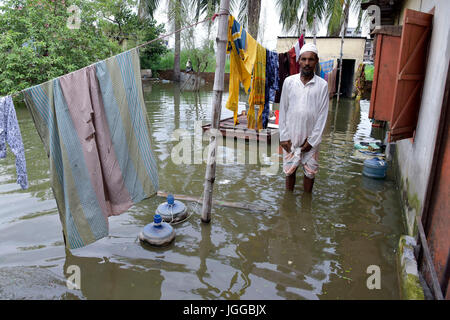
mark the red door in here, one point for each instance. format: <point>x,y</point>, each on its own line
<point>384,76</point>
<point>411,69</point>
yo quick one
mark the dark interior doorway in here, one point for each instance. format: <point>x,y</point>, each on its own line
<point>348,72</point>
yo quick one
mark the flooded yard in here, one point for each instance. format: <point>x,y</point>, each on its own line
<point>303,246</point>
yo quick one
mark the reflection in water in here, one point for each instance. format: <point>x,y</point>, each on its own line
<point>305,246</point>
<point>176,104</point>
<point>115,280</point>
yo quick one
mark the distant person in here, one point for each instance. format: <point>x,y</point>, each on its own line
<point>189,66</point>
<point>303,115</point>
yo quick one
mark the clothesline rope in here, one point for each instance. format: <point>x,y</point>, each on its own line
<point>222,12</point>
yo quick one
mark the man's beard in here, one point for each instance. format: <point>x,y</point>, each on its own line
<point>307,73</point>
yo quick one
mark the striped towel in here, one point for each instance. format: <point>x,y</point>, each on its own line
<point>94,127</point>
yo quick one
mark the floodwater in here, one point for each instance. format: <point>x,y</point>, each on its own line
<point>315,246</point>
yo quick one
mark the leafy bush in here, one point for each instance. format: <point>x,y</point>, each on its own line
<point>368,72</point>
<point>36,45</point>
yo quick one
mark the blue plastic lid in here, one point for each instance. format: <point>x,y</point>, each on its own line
<point>157,219</point>
<point>170,199</point>
<point>167,209</point>
<point>158,233</point>
<point>375,163</point>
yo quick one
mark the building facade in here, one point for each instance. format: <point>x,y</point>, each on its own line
<point>422,151</point>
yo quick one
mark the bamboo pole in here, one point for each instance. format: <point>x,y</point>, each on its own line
<point>230,204</point>
<point>314,29</point>
<point>347,7</point>
<point>210,174</point>
<point>304,20</point>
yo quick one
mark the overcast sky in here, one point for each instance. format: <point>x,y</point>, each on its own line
<point>269,21</point>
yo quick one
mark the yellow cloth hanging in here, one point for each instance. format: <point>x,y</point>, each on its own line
<point>257,94</point>
<point>242,50</point>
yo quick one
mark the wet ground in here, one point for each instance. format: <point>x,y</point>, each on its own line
<point>315,246</point>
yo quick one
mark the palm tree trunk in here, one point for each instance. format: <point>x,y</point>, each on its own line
<point>140,10</point>
<point>254,10</point>
<point>176,58</point>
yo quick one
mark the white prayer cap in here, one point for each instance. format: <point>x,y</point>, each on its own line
<point>309,47</point>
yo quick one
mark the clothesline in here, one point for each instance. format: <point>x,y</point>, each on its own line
<point>213,17</point>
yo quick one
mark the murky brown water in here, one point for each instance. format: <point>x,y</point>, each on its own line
<point>304,247</point>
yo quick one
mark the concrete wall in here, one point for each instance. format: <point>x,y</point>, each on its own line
<point>330,48</point>
<point>415,156</point>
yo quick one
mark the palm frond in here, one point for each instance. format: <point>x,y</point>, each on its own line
<point>149,7</point>
<point>243,13</point>
<point>289,13</point>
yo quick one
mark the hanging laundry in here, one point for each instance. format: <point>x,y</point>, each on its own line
<point>332,83</point>
<point>288,65</point>
<point>242,50</point>
<point>298,45</point>
<point>10,134</point>
<point>257,94</point>
<point>325,67</point>
<point>283,73</point>
<point>294,56</point>
<point>271,84</point>
<point>94,127</point>
<point>297,50</point>
<point>294,67</point>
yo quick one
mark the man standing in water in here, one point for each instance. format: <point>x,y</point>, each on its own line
<point>303,115</point>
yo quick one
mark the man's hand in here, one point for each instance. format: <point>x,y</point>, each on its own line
<point>305,147</point>
<point>286,145</point>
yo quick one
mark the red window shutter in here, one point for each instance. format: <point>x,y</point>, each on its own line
<point>411,69</point>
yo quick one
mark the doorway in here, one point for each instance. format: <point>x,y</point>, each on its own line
<point>348,72</point>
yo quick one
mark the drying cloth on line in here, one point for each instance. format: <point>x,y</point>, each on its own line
<point>10,134</point>
<point>294,67</point>
<point>257,94</point>
<point>242,49</point>
<point>297,50</point>
<point>283,73</point>
<point>298,46</point>
<point>95,130</point>
<point>325,67</point>
<point>332,82</point>
<point>271,84</point>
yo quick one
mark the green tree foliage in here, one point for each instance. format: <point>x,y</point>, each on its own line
<point>124,26</point>
<point>330,12</point>
<point>36,44</point>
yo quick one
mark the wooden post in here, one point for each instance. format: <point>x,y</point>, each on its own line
<point>210,174</point>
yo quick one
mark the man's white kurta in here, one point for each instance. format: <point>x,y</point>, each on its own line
<point>303,112</point>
